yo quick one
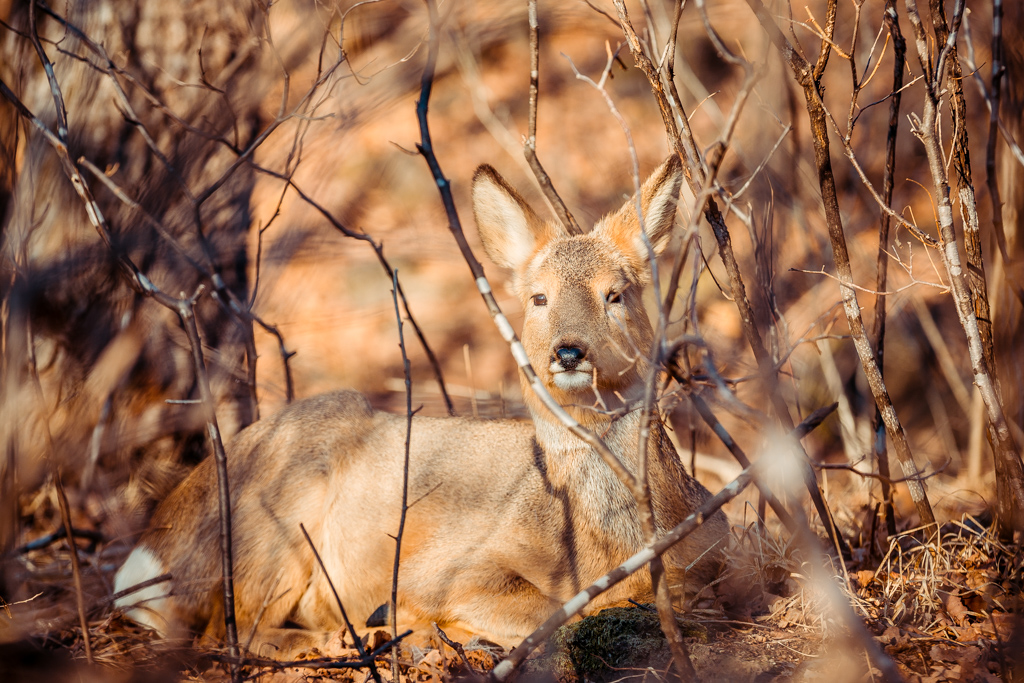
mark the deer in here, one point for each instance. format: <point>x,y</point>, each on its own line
<point>511,518</point>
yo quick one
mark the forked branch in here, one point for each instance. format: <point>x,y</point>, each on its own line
<point>1009,467</point>
<point>426,149</point>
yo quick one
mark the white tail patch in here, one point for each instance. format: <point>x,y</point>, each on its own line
<point>145,606</point>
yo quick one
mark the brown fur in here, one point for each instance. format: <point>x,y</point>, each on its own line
<point>511,519</point>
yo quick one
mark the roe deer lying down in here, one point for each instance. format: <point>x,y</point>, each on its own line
<point>512,519</point>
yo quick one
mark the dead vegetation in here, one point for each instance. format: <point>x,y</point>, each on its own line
<point>237,148</point>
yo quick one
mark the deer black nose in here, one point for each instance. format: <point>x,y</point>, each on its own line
<point>570,356</point>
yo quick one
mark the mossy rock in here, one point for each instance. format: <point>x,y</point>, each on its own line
<point>598,647</point>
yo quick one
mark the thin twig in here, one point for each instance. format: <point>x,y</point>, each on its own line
<point>405,479</point>
<point>367,660</point>
<point>992,99</point>
<point>378,250</point>
<point>341,608</point>
<point>76,571</point>
<point>426,149</point>
<point>804,74</point>
<point>892,21</point>
<point>459,650</point>
<point>530,143</point>
<point>184,308</point>
<point>226,297</point>
<point>682,141</point>
<point>659,580</point>
<point>1009,467</point>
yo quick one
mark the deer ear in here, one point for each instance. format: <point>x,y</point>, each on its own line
<point>509,229</point>
<point>658,198</point>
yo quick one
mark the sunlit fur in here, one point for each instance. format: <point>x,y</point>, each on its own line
<point>512,518</point>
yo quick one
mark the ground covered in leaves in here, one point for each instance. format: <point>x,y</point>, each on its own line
<point>943,615</point>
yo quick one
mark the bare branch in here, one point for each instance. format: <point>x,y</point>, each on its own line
<point>378,249</point>
<point>341,608</point>
<point>530,144</point>
<point>684,147</point>
<point>804,74</point>
<point>405,480</point>
<point>1009,466</point>
<point>65,516</point>
<point>483,286</point>
<point>184,308</point>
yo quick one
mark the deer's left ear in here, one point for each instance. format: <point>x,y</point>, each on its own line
<point>658,198</point>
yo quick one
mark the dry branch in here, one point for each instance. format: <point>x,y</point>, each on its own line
<point>636,484</point>
<point>804,73</point>
<point>378,250</point>
<point>65,515</point>
<point>1009,467</point>
<point>405,481</point>
<point>701,183</point>
<point>426,149</point>
<point>530,144</point>
<point>240,311</point>
<point>357,641</point>
<point>992,98</point>
<point>804,537</point>
<point>365,661</point>
<point>892,21</point>
<point>184,308</point>
<point>642,493</point>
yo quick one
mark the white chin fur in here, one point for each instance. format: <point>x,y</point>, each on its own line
<point>572,380</point>
<point>149,605</point>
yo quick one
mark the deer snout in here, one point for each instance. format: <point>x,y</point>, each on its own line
<point>570,356</point>
<point>571,368</point>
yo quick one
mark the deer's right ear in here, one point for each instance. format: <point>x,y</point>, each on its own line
<point>509,229</point>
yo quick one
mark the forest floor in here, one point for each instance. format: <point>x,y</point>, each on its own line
<point>952,615</point>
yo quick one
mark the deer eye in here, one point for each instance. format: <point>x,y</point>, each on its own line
<point>613,297</point>
<point>539,300</point>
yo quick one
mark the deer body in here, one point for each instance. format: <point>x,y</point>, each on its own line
<point>510,518</point>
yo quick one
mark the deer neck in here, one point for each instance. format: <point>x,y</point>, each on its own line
<point>573,466</point>
<point>568,457</point>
